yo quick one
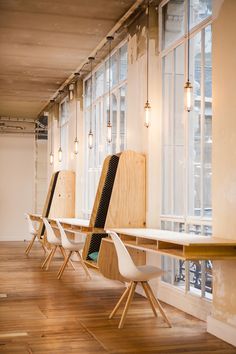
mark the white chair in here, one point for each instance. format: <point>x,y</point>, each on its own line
<point>71,246</point>
<point>32,231</point>
<point>54,241</point>
<point>134,274</point>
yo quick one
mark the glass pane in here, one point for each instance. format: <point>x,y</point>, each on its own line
<point>123,62</point>
<point>114,69</point>
<point>194,131</point>
<point>199,11</point>
<point>195,277</point>
<point>99,82</point>
<point>167,134</point>
<point>207,171</point>
<point>114,121</point>
<point>87,92</point>
<point>179,151</point>
<point>172,22</point>
<point>166,182</point>
<point>122,117</point>
<point>174,268</point>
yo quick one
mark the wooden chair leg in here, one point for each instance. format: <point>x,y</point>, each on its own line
<point>61,270</point>
<point>51,257</point>
<point>27,251</point>
<point>149,297</point>
<point>65,255</point>
<point>84,266</point>
<point>122,298</point>
<point>129,299</point>
<point>46,259</point>
<point>158,305</point>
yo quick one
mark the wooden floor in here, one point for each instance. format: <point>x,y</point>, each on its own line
<point>40,314</point>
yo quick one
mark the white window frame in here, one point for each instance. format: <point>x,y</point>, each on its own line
<point>185,219</point>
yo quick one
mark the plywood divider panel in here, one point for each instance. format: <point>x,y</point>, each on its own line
<point>128,199</point>
<point>60,200</point>
<point>63,201</point>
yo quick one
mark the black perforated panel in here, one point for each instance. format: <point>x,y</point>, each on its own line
<point>95,243</point>
<point>106,193</point>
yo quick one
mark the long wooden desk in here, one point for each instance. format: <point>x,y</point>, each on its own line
<point>176,244</point>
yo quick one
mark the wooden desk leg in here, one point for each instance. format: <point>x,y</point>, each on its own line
<point>130,296</point>
<point>149,297</point>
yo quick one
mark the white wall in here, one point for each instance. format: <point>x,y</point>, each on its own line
<point>16,185</point>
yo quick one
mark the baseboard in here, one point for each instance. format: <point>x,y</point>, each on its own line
<point>221,330</point>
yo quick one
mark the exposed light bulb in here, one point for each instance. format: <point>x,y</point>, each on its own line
<point>90,140</point>
<point>147,112</point>
<point>71,91</point>
<point>60,154</point>
<point>109,132</point>
<point>76,146</point>
<point>51,158</point>
<point>188,88</point>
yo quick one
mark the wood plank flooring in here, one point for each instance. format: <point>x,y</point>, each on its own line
<point>40,314</point>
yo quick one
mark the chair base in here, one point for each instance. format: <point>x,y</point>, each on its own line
<point>67,259</point>
<point>30,245</point>
<point>129,293</point>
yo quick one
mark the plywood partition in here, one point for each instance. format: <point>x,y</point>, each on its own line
<point>63,200</point>
<point>120,200</point>
<point>128,199</point>
<point>60,200</point>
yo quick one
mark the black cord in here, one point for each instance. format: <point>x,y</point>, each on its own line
<point>148,51</point>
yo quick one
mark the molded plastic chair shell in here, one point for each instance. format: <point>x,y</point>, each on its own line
<point>51,237</point>
<point>126,265</point>
<point>31,227</point>
<point>66,242</point>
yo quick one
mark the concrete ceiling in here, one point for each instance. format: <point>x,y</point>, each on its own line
<point>42,42</point>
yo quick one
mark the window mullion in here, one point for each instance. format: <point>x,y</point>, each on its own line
<point>172,130</point>
<point>202,117</point>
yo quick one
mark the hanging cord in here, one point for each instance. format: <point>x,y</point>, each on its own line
<point>91,93</point>
<point>76,118</point>
<point>148,51</point>
<point>109,86</point>
<point>188,41</point>
<point>51,131</point>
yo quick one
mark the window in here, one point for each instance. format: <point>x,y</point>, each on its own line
<point>186,137</point>
<point>63,122</point>
<point>94,157</point>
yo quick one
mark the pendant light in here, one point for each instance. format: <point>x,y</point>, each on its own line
<point>51,156</point>
<point>71,91</point>
<point>90,134</point>
<point>60,149</point>
<point>188,88</point>
<point>147,107</point>
<point>76,142</point>
<point>109,125</point>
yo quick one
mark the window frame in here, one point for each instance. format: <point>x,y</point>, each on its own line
<point>186,220</point>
